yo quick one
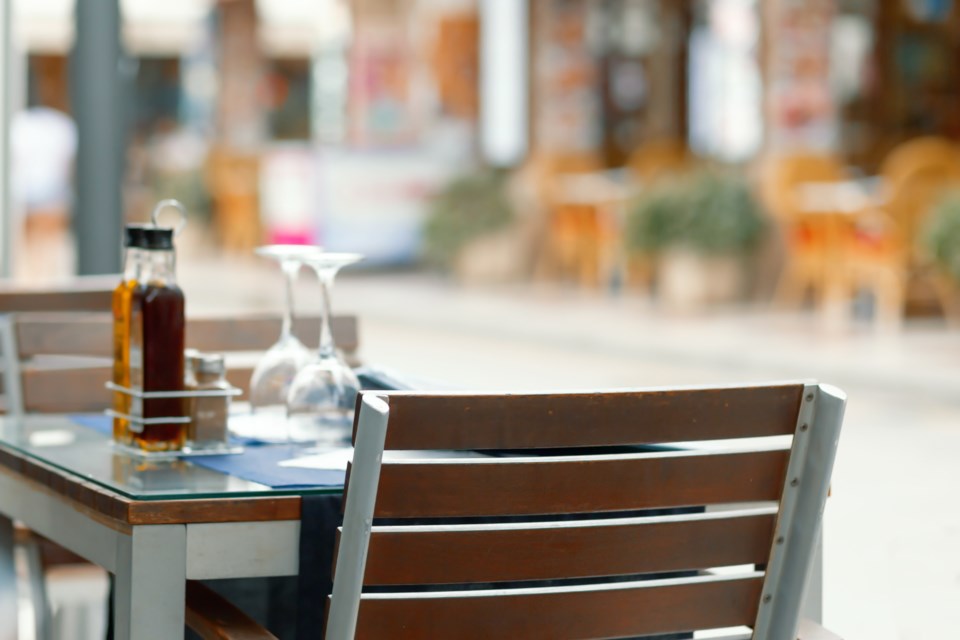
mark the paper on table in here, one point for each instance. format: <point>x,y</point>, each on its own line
<point>333,459</point>
<point>338,458</point>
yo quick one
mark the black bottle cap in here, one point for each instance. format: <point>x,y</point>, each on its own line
<point>157,239</point>
<point>133,235</point>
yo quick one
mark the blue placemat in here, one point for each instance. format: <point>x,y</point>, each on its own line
<point>103,424</point>
<point>259,462</point>
<point>262,464</point>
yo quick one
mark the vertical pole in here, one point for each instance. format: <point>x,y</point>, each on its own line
<point>6,104</point>
<point>8,582</point>
<point>504,84</point>
<point>95,81</point>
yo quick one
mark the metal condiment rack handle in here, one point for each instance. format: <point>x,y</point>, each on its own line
<point>148,421</point>
<point>151,395</point>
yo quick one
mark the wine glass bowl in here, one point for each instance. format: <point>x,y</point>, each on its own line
<point>279,365</point>
<point>322,396</point>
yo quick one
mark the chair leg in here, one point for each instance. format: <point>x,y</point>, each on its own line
<point>38,590</point>
<point>8,581</point>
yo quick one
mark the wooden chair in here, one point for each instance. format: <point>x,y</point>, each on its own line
<point>84,293</point>
<point>925,151</point>
<point>808,264</point>
<point>572,229</point>
<point>884,256</point>
<point>612,570</point>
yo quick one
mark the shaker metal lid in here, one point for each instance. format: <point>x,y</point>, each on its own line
<point>211,363</point>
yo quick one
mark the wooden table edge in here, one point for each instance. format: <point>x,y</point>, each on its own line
<point>120,512</point>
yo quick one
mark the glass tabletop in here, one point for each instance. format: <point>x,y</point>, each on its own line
<point>59,441</point>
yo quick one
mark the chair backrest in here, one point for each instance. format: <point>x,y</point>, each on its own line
<point>913,194</point>
<point>83,293</point>
<point>61,361</point>
<point>612,568</point>
<point>918,153</point>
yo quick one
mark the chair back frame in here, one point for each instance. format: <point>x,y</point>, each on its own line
<point>796,538</point>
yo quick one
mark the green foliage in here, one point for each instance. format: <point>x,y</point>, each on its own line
<point>941,234</point>
<point>469,206</point>
<point>708,211</point>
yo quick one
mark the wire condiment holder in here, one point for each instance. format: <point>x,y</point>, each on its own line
<point>139,422</point>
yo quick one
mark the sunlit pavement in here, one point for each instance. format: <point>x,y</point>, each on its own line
<point>892,525</point>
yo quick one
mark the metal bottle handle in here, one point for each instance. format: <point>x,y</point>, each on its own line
<point>174,204</point>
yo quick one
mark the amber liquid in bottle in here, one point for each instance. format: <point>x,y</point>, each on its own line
<point>157,357</point>
<point>122,300</point>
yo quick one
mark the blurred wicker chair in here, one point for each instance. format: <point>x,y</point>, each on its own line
<point>810,238</point>
<point>234,185</point>
<point>884,256</point>
<point>914,154</point>
<point>572,228</point>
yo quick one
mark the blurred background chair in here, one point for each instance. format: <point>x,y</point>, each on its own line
<point>57,361</point>
<point>571,228</point>
<point>811,238</point>
<point>883,255</point>
<point>234,186</point>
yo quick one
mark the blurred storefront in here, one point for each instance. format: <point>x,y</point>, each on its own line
<point>224,97</point>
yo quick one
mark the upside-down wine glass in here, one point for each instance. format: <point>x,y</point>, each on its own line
<point>320,403</point>
<point>275,371</point>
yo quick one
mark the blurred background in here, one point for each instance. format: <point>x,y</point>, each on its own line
<point>549,194</point>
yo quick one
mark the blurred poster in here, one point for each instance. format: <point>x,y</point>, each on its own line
<point>374,201</point>
<point>801,106</point>
<point>287,203</point>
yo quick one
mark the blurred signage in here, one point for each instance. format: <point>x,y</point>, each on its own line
<point>374,201</point>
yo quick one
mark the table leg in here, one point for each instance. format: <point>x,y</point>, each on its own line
<point>150,583</point>
<point>8,582</point>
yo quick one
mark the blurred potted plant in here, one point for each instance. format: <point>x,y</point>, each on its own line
<point>699,229</point>
<point>468,227</point>
<point>940,239</point>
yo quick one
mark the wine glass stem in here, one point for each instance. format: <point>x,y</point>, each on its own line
<point>290,270</point>
<point>326,335</point>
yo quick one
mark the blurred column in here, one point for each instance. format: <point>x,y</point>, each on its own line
<point>6,106</point>
<point>96,91</point>
<point>241,116</point>
<point>241,127</point>
<point>504,81</point>
<point>801,113</point>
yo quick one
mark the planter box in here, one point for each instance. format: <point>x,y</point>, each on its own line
<point>688,280</point>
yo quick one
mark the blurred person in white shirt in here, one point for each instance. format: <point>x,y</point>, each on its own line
<point>43,148</point>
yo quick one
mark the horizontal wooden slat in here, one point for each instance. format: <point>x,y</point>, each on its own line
<point>91,334</point>
<point>65,390</point>
<point>554,550</point>
<point>85,293</point>
<point>72,334</point>
<point>512,421</point>
<point>581,484</point>
<point>607,611</point>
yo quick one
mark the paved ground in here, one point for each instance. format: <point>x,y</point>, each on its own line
<point>892,526</point>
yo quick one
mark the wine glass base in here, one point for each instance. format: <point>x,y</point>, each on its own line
<point>330,429</point>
